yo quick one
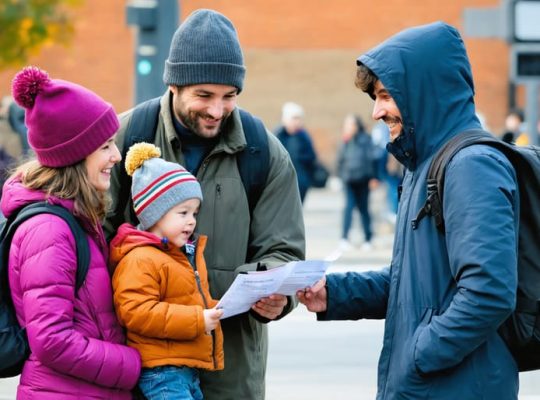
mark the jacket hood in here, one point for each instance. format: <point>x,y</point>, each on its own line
<point>127,238</point>
<point>15,195</point>
<point>427,72</point>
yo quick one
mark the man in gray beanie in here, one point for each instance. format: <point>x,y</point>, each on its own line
<point>200,126</point>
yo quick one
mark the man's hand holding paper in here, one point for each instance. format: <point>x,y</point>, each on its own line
<point>248,289</point>
<point>270,307</point>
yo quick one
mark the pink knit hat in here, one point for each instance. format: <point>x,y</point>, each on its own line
<point>66,122</point>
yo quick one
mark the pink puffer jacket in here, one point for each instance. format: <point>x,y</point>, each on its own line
<point>76,342</point>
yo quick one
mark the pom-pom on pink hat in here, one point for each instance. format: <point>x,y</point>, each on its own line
<point>66,122</point>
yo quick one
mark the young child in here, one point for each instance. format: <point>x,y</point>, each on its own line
<point>160,284</point>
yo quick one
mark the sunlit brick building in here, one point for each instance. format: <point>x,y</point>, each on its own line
<point>299,50</point>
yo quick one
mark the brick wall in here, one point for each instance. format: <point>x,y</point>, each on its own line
<point>299,50</point>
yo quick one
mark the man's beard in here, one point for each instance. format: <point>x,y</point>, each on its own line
<point>191,120</point>
<point>391,122</point>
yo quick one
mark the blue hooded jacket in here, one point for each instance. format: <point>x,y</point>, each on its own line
<point>444,295</point>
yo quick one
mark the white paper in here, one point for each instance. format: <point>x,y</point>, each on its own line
<point>287,279</point>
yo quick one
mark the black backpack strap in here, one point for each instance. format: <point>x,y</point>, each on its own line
<point>142,124</point>
<point>254,160</point>
<point>141,128</point>
<point>437,168</point>
<point>81,242</point>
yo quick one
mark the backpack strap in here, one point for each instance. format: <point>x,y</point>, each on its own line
<point>254,160</point>
<point>142,124</point>
<point>81,242</point>
<point>435,177</point>
<point>141,128</point>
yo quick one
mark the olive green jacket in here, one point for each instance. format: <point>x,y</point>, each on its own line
<point>275,229</point>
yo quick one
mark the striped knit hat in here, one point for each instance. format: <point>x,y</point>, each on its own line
<point>158,185</point>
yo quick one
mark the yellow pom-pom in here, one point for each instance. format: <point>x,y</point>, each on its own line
<point>139,153</point>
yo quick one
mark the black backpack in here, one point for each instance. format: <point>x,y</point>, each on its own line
<point>253,161</point>
<point>14,349</point>
<point>521,331</point>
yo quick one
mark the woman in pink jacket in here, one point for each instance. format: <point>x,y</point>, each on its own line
<point>76,343</point>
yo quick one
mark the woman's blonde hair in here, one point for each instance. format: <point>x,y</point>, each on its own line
<point>70,183</point>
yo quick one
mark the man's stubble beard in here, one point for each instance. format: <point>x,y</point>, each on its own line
<point>190,120</point>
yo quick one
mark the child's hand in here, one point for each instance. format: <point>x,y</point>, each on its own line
<point>211,319</point>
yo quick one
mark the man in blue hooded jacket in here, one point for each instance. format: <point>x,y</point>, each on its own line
<point>444,296</point>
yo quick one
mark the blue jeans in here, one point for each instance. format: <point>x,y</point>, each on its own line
<point>170,382</point>
<point>357,196</point>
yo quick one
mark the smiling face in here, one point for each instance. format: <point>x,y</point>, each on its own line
<point>178,224</point>
<point>204,109</point>
<point>99,165</point>
<point>386,109</point>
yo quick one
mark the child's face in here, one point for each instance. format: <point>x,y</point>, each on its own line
<point>178,223</point>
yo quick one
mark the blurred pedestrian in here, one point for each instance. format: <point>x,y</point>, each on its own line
<point>13,141</point>
<point>76,344</point>
<point>297,141</point>
<point>393,178</point>
<point>356,166</point>
<point>380,135</point>
<point>444,297</point>
<point>389,171</point>
<point>14,115</point>
<point>513,127</point>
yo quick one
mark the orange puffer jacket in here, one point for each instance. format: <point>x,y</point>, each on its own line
<point>157,298</point>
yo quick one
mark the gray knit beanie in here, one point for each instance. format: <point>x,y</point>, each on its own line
<point>158,185</point>
<point>205,49</point>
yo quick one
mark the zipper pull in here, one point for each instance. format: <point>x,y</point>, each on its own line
<point>165,243</point>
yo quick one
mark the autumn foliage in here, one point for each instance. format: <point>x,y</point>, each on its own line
<point>28,25</point>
